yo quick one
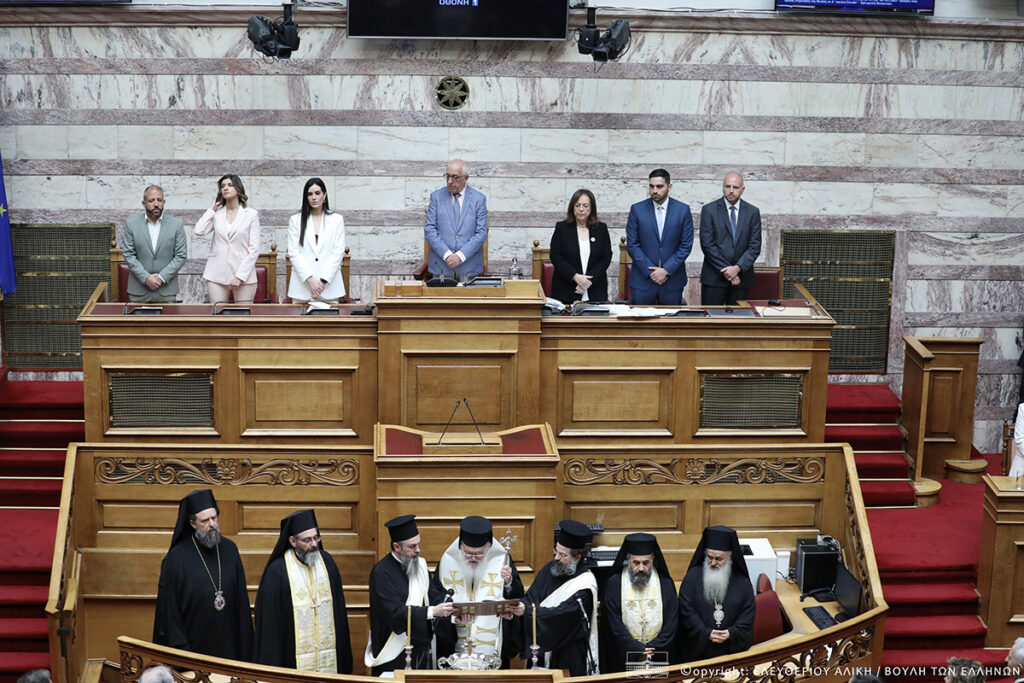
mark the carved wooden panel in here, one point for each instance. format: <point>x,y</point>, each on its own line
<point>622,516</point>
<point>330,517</point>
<point>282,401</point>
<point>945,403</point>
<point>766,514</point>
<point>616,401</point>
<point>434,382</point>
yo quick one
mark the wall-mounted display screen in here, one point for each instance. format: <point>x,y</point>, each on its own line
<point>459,19</point>
<point>888,7</point>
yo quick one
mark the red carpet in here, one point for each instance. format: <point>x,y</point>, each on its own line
<point>39,419</point>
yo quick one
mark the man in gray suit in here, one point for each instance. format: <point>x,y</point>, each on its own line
<point>730,237</point>
<point>155,249</point>
<point>456,225</point>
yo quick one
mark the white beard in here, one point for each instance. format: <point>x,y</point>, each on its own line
<point>473,576</point>
<point>716,582</point>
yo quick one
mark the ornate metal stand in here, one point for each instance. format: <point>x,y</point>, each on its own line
<point>408,657</point>
<point>534,650</point>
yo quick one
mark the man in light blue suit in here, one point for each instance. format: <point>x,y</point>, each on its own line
<point>456,225</point>
<point>155,249</point>
<point>659,237</point>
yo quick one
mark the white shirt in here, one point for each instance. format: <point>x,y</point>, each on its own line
<point>1017,464</point>
<point>584,258</point>
<point>154,231</point>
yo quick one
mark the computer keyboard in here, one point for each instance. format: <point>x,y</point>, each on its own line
<point>604,555</point>
<point>820,616</point>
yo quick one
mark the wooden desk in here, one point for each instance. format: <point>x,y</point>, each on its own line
<point>276,376</point>
<point>1001,561</point>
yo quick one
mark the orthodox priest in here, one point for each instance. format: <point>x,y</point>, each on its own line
<point>301,621</point>
<point>716,599</point>
<point>201,603</point>
<point>639,606</point>
<point>559,609</point>
<point>474,568</point>
<point>400,609</point>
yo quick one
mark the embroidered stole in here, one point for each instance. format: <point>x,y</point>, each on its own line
<point>396,641</point>
<point>313,613</point>
<point>584,581</point>
<point>641,610</point>
<point>454,572</point>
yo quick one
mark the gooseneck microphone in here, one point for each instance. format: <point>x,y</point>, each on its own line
<point>450,417</point>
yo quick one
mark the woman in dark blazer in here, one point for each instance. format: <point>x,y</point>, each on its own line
<point>580,233</point>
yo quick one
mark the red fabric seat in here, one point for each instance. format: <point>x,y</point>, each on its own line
<point>767,285</point>
<point>122,281</point>
<point>547,272</point>
<point>767,617</point>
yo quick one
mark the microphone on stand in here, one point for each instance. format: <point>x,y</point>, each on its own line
<point>450,417</point>
<point>586,622</point>
<point>466,401</point>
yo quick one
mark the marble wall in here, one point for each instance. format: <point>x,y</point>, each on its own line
<point>912,126</point>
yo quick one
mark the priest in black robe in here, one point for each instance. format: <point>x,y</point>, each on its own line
<point>202,604</point>
<point>301,599</point>
<point>563,597</point>
<point>640,610</point>
<point>474,568</point>
<point>716,598</point>
<point>401,612</point>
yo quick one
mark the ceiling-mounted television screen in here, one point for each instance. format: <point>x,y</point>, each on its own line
<point>459,19</point>
<point>877,7</point>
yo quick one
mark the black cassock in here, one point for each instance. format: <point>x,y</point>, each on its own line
<point>696,616</point>
<point>185,616</point>
<point>445,630</point>
<point>618,640</point>
<point>561,630</point>
<point>389,589</point>
<point>275,617</point>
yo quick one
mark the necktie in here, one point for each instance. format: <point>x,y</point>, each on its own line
<point>732,222</point>
<point>661,220</point>
<point>458,208</point>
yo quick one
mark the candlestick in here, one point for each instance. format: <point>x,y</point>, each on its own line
<point>408,625</point>
<point>535,624</point>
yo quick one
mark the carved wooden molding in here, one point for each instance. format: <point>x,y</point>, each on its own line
<point>234,471</point>
<point>644,471</point>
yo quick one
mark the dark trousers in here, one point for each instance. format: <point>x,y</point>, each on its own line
<point>660,295</point>
<point>713,295</point>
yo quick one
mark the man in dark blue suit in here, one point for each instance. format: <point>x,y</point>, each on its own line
<point>659,237</point>
<point>730,237</point>
<point>456,225</point>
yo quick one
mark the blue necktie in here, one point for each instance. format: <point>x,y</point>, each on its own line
<point>732,223</point>
<point>661,220</point>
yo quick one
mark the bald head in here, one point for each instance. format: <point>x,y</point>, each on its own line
<point>732,187</point>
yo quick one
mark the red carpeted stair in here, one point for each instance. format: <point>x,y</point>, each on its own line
<point>928,558</point>
<point>867,417</point>
<point>37,421</point>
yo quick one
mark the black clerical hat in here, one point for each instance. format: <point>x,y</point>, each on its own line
<point>720,538</point>
<point>192,504</point>
<point>292,525</point>
<point>641,544</point>
<point>476,531</point>
<point>402,528</point>
<point>573,534</point>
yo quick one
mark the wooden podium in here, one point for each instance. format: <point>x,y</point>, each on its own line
<point>1001,562</point>
<point>440,345</point>
<point>513,479</point>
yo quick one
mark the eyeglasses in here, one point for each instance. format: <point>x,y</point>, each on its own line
<point>560,555</point>
<point>308,541</point>
<point>451,176</point>
<point>474,556</point>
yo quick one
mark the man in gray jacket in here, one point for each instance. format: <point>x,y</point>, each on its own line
<point>155,249</point>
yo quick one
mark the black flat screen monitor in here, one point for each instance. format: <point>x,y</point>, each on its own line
<point>862,7</point>
<point>847,590</point>
<point>459,19</point>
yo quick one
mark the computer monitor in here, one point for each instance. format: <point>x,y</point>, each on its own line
<point>848,591</point>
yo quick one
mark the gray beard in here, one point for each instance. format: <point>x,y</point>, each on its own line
<point>716,582</point>
<point>473,576</point>
<point>410,565</point>
<point>564,569</point>
<point>309,557</point>
<point>208,539</point>
<point>638,579</point>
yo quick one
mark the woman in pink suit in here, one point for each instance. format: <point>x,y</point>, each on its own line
<point>231,265</point>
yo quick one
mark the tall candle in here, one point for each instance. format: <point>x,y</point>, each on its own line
<point>535,624</point>
<point>408,626</point>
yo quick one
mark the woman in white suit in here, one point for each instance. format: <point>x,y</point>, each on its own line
<point>316,245</point>
<point>231,265</point>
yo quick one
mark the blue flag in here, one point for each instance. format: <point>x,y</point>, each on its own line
<point>7,281</point>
